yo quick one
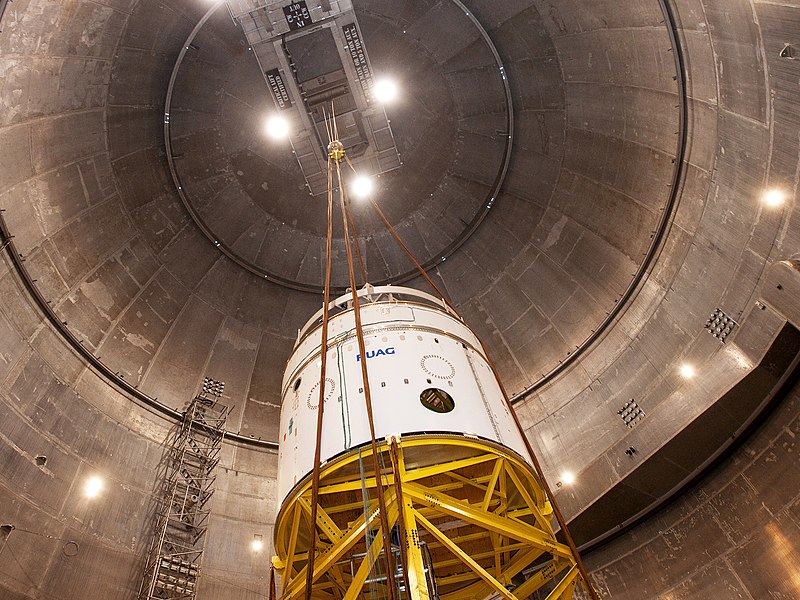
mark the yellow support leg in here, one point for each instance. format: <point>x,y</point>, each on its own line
<point>466,559</point>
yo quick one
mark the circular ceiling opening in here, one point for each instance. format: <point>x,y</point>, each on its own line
<point>451,122</point>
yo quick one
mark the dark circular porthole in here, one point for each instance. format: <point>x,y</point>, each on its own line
<point>296,385</point>
<point>437,400</point>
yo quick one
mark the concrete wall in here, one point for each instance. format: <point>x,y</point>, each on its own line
<point>86,193</point>
<point>722,237</point>
<point>52,405</point>
<point>733,536</point>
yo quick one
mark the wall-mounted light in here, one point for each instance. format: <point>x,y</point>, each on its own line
<point>258,543</point>
<point>773,197</point>
<point>568,477</point>
<point>687,371</point>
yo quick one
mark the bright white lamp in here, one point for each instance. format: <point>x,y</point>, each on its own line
<point>384,90</point>
<point>773,198</point>
<point>94,486</point>
<point>362,186</point>
<point>277,127</point>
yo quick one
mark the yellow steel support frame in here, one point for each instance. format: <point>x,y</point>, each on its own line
<point>472,523</point>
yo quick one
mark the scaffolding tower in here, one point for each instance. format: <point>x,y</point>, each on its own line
<point>182,508</point>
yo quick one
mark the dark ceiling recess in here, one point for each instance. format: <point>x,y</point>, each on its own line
<point>208,221</point>
<point>696,450</point>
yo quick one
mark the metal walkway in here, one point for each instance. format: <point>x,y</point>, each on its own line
<point>182,513</point>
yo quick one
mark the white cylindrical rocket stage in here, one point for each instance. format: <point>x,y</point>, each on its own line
<point>427,374</point>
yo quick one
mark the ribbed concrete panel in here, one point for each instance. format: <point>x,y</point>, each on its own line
<point>743,515</point>
<point>89,199</point>
<point>184,353</point>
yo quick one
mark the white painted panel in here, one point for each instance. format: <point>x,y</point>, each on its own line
<point>409,348</point>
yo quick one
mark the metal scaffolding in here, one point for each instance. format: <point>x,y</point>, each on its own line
<point>182,508</point>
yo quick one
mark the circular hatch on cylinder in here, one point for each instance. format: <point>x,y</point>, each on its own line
<point>437,400</point>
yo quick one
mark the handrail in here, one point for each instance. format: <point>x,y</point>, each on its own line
<point>368,292</point>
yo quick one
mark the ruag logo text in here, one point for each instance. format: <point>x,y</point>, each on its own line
<point>378,352</point>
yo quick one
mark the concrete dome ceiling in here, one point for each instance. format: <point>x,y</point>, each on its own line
<point>591,277</point>
<point>135,279</point>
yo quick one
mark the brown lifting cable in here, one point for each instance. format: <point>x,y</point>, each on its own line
<point>321,404</point>
<point>354,236</point>
<point>401,526</point>
<point>537,466</point>
<point>387,540</point>
<point>272,589</point>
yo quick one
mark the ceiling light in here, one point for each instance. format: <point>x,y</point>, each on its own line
<point>384,90</point>
<point>687,371</point>
<point>257,544</point>
<point>773,197</point>
<point>568,477</point>
<point>362,186</point>
<point>277,127</point>
<point>93,487</point>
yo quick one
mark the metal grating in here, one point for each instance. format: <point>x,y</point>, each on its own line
<point>720,325</point>
<point>631,413</point>
<point>182,510</point>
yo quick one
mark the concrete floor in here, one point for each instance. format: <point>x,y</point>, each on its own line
<point>588,283</point>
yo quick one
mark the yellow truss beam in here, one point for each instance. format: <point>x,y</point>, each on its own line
<point>529,500</point>
<point>566,586</point>
<point>465,558</point>
<point>324,522</point>
<point>415,577</point>
<point>490,488</point>
<point>289,568</point>
<point>483,516</point>
<point>364,569</point>
<point>337,551</point>
<point>502,525</point>
<point>538,579</point>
